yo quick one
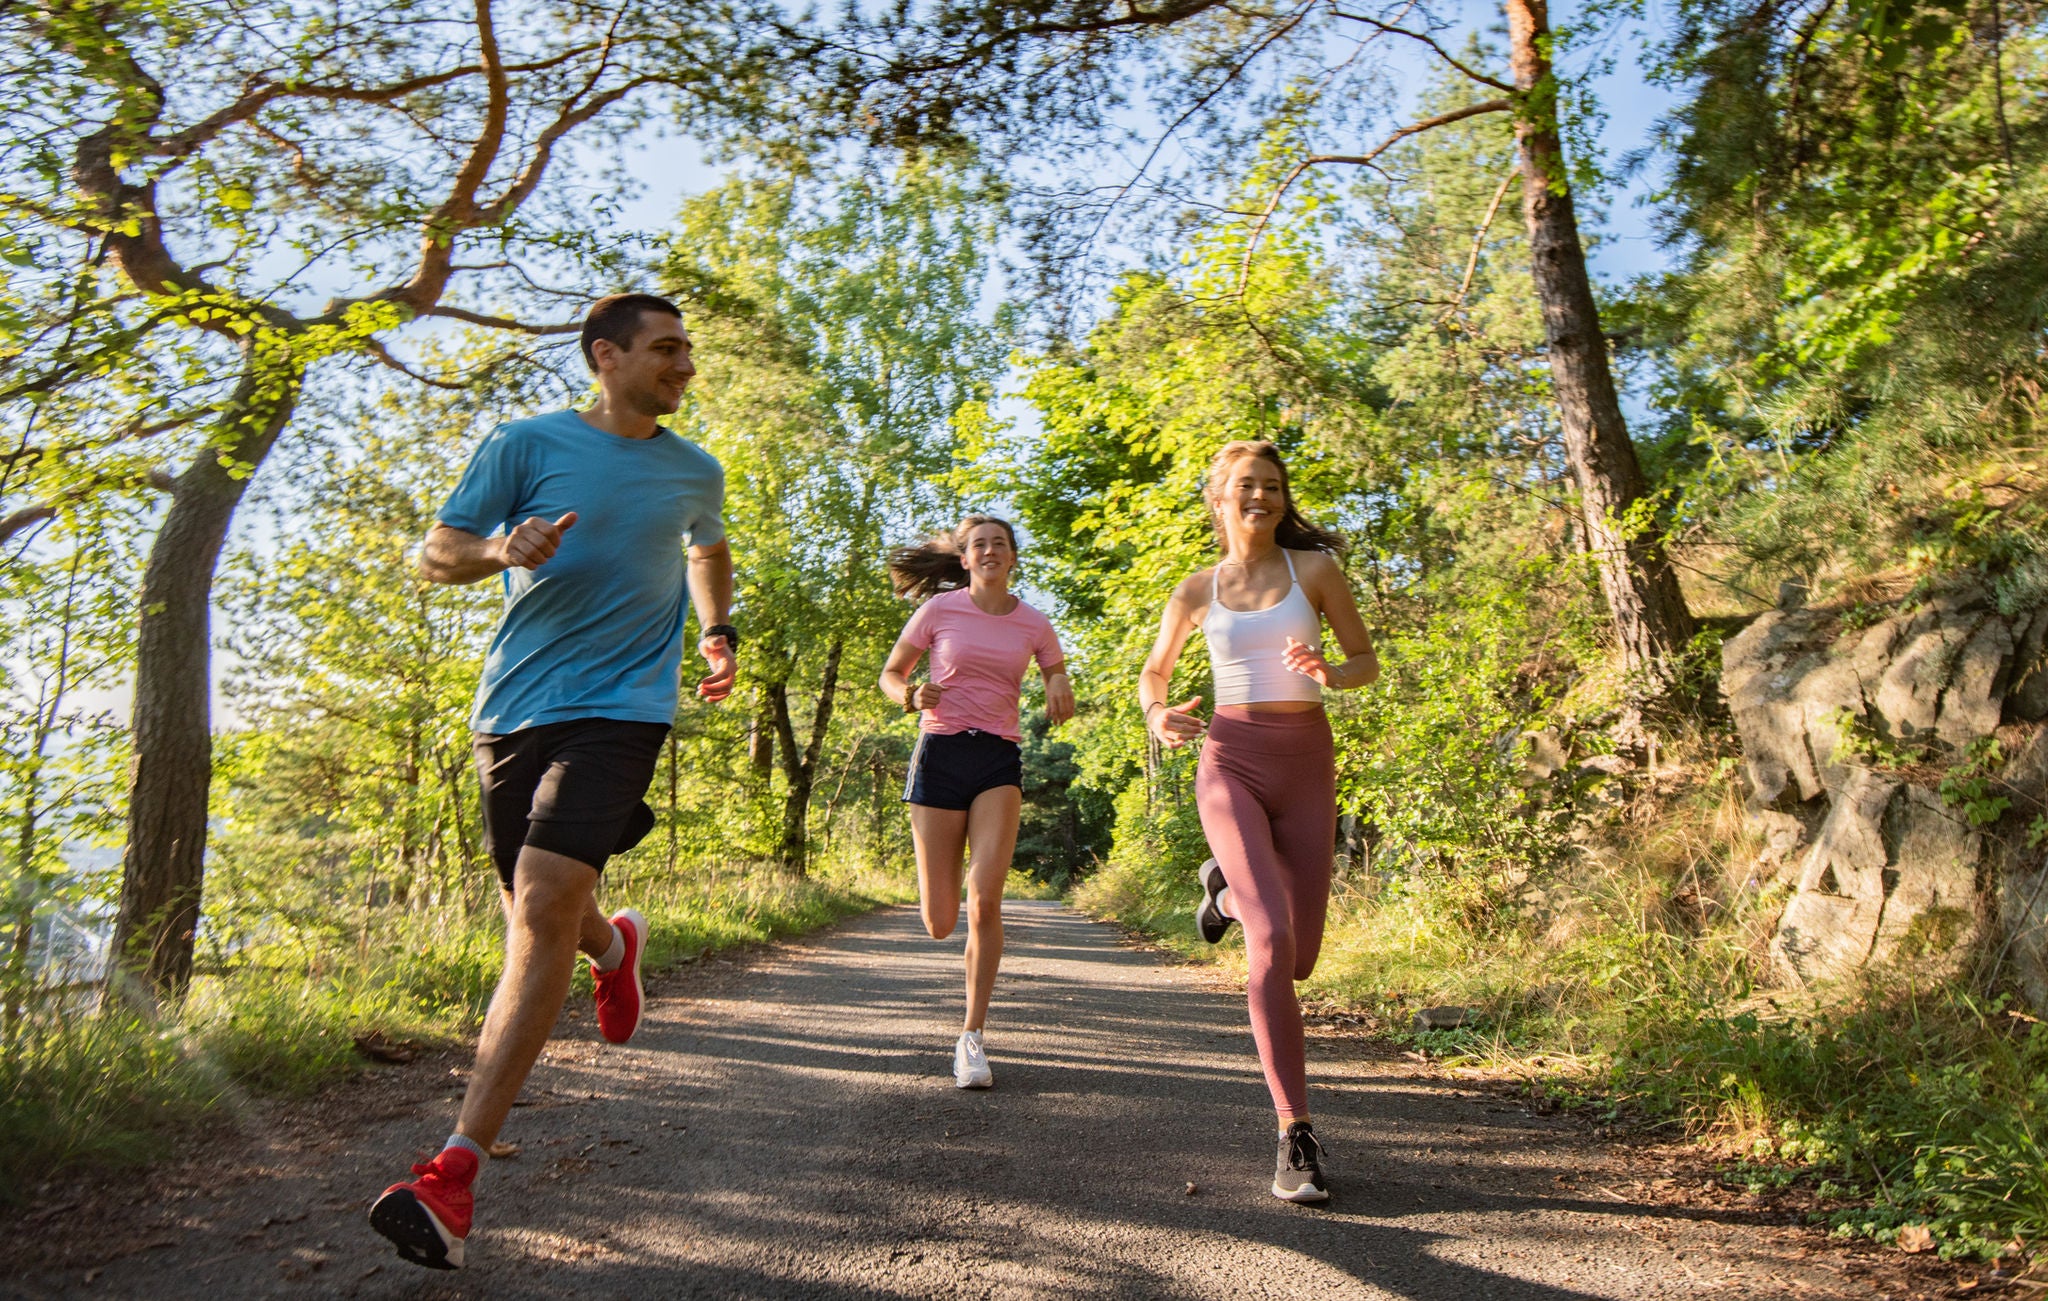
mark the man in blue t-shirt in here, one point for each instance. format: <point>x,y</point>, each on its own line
<point>587,515</point>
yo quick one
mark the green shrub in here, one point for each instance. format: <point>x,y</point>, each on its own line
<point>91,1088</point>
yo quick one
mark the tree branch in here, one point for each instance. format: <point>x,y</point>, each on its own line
<point>1251,246</point>
<point>1287,25</point>
<point>1430,41</point>
<point>503,322</point>
<point>1479,239</point>
<point>26,517</point>
<point>382,355</point>
<point>571,117</point>
<point>36,512</point>
<point>260,96</point>
<point>980,52</point>
<point>460,210</point>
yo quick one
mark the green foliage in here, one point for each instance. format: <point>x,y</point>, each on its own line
<point>353,679</point>
<point>92,1090</point>
<point>1861,742</point>
<point>1432,758</point>
<point>67,621</point>
<point>1921,1104</point>
<point>1149,882</point>
<point>1406,399</point>
<point>1856,363</point>
<point>842,341</point>
<point>1970,785</point>
<point>1064,827</point>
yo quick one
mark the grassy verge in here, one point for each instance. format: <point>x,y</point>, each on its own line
<point>93,1089</point>
<point>1628,985</point>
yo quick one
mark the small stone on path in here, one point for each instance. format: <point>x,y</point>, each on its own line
<point>1442,1018</point>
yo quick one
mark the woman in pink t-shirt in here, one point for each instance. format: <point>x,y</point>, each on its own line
<point>966,783</point>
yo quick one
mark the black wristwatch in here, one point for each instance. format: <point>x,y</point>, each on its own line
<point>727,631</point>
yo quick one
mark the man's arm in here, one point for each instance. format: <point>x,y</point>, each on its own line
<point>711,596</point>
<point>452,555</point>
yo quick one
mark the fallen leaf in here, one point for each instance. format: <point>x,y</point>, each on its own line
<point>1192,1190</point>
<point>503,1151</point>
<point>377,1048</point>
<point>1916,1238</point>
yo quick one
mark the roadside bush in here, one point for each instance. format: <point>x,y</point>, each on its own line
<point>1149,881</point>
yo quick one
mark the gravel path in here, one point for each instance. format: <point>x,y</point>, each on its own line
<point>789,1129</point>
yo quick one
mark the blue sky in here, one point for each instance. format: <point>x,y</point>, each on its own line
<point>674,168</point>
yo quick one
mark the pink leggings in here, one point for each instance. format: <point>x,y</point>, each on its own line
<point>1267,790</point>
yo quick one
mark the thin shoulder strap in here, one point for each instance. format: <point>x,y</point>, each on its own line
<point>1213,588</point>
<point>1290,567</point>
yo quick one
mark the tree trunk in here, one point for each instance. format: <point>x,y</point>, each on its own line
<point>761,742</point>
<point>796,807</point>
<point>163,869</point>
<point>24,903</point>
<point>800,770</point>
<point>1651,621</point>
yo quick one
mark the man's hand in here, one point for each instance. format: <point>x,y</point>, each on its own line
<point>529,545</point>
<point>725,667</point>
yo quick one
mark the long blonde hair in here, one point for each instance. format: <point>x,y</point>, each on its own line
<point>1293,532</point>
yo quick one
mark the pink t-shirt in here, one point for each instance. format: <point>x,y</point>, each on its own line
<point>979,659</point>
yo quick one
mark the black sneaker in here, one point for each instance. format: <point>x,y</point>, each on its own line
<point>1209,919</point>
<point>1298,1174</point>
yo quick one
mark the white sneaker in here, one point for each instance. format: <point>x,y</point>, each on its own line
<point>970,1063</point>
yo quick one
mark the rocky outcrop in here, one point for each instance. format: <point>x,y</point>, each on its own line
<point>1847,734</point>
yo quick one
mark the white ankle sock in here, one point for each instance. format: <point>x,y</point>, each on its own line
<point>1223,903</point>
<point>468,1144</point>
<point>614,955</point>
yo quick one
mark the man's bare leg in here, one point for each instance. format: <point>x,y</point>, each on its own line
<point>597,928</point>
<point>550,915</point>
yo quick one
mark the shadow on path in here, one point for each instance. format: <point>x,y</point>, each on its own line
<point>795,1133</point>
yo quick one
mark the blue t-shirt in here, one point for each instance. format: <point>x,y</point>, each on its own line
<point>597,631</point>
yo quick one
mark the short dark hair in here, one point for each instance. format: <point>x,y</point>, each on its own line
<point>617,317</point>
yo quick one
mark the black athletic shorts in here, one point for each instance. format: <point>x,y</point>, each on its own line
<point>574,788</point>
<point>948,769</point>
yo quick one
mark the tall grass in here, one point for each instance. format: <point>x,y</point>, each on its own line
<point>95,1088</point>
<point>1631,981</point>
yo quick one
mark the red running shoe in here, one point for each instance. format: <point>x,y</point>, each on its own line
<point>619,995</point>
<point>428,1219</point>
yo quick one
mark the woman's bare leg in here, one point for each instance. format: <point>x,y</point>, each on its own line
<point>941,839</point>
<point>991,839</point>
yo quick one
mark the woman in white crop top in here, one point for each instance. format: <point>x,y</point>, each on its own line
<point>1266,784</point>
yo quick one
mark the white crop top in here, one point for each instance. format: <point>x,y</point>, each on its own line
<point>1245,646</point>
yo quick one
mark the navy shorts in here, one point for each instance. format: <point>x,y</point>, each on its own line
<point>575,788</point>
<point>948,769</point>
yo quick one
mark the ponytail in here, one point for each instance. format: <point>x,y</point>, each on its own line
<point>934,566</point>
